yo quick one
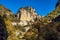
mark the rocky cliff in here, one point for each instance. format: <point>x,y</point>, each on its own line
<point>27,14</point>
<point>26,24</point>
<point>4,11</point>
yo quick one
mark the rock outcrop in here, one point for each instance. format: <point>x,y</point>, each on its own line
<point>28,25</point>
<point>4,11</point>
<point>26,14</point>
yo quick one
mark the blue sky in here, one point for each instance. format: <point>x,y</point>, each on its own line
<point>42,7</point>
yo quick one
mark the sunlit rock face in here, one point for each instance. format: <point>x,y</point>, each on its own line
<point>5,12</point>
<point>26,14</point>
<point>26,28</point>
<point>23,23</point>
<point>14,23</point>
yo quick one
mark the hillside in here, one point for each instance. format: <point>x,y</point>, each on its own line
<point>26,24</point>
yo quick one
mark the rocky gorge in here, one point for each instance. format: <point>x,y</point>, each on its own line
<point>26,24</point>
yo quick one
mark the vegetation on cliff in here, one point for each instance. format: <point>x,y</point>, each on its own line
<point>34,28</point>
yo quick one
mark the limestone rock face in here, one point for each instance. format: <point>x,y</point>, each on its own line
<point>27,25</point>
<point>26,14</point>
<point>4,11</point>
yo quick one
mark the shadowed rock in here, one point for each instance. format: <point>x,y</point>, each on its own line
<point>56,19</point>
<point>3,32</point>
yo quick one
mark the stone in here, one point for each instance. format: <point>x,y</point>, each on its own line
<point>25,15</point>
